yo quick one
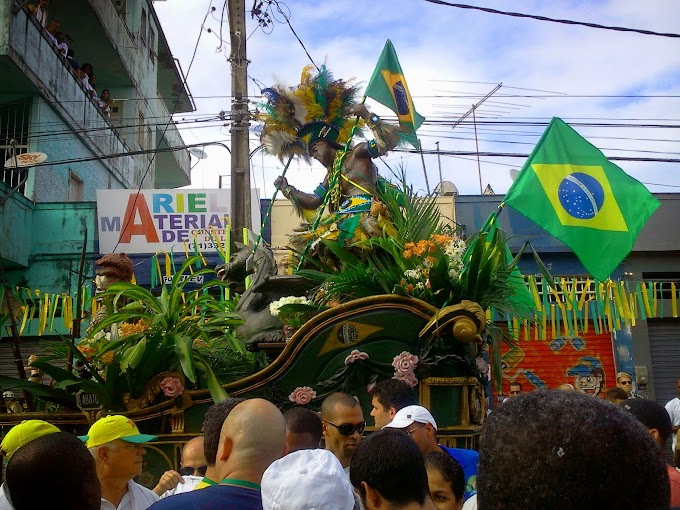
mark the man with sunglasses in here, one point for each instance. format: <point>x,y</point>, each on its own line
<point>419,424</point>
<point>343,423</point>
<point>192,470</point>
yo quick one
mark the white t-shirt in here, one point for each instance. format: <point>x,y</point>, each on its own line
<point>5,503</point>
<point>136,498</point>
<point>673,408</point>
<point>471,503</point>
<point>190,482</point>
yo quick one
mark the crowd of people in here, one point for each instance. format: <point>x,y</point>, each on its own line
<point>84,72</point>
<point>540,449</point>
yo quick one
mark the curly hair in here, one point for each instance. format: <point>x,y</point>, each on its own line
<point>563,450</point>
<point>212,426</point>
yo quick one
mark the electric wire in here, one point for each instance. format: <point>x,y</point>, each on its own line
<point>554,20</point>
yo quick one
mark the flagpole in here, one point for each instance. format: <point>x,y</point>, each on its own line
<point>422,158</point>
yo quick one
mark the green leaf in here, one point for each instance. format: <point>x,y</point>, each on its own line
<point>39,390</point>
<point>133,355</point>
<point>216,390</point>
<point>185,355</point>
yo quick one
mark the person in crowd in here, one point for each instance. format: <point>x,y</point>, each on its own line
<point>419,424</point>
<point>515,389</point>
<point>192,470</point>
<point>562,450</point>
<point>566,387</point>
<point>303,429</point>
<point>18,436</point>
<point>657,421</point>
<point>70,58</point>
<point>212,427</point>
<point>116,445</point>
<point>86,74</point>
<point>616,395</point>
<point>252,438</point>
<point>388,471</point>
<point>389,396</point>
<point>307,479</point>
<point>53,471</point>
<point>673,409</point>
<point>39,10</point>
<point>625,382</point>
<point>446,481</point>
<point>52,29</point>
<point>343,424</point>
<point>105,102</point>
<point>61,43</point>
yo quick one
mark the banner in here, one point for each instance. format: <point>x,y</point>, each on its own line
<point>179,220</point>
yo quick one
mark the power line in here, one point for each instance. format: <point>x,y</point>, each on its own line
<point>554,20</point>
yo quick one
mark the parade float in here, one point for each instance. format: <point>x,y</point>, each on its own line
<point>382,289</point>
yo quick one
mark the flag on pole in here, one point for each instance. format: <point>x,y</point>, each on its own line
<point>388,87</point>
<point>568,187</point>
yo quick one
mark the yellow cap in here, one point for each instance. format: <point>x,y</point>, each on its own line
<point>114,427</point>
<point>26,431</point>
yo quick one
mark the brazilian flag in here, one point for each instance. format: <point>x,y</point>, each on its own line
<point>568,187</point>
<point>388,87</point>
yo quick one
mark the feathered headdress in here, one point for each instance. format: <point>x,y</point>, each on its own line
<point>320,107</point>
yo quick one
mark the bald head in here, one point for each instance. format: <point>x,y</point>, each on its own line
<point>252,437</point>
<point>193,454</point>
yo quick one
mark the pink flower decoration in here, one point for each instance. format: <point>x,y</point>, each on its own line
<point>407,377</point>
<point>355,355</point>
<point>302,395</point>
<point>405,363</point>
<point>171,386</point>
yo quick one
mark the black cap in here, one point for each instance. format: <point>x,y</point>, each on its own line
<point>652,415</point>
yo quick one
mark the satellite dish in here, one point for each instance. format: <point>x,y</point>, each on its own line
<point>514,173</point>
<point>199,153</point>
<point>25,160</point>
<point>447,189</point>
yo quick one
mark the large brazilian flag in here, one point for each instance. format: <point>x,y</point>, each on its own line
<point>568,187</point>
<point>388,87</point>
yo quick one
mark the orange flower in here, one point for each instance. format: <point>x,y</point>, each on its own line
<point>409,288</point>
<point>107,358</point>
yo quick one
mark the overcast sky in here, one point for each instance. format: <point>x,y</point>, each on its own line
<point>452,58</point>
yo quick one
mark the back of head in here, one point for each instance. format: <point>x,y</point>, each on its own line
<point>307,479</point>
<point>565,450</point>
<point>391,463</point>
<point>450,469</point>
<point>300,420</point>
<point>53,468</point>
<point>256,432</point>
<point>616,394</point>
<point>394,393</point>
<point>651,414</point>
<point>212,426</point>
<point>333,400</point>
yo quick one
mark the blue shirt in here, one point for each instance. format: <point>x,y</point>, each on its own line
<point>468,460</point>
<point>217,497</point>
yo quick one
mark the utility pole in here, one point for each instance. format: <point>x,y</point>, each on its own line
<point>439,162</point>
<point>240,168</point>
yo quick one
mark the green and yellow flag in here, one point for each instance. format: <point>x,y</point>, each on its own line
<point>388,87</point>
<point>568,187</point>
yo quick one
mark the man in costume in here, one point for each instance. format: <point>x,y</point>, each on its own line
<point>317,119</point>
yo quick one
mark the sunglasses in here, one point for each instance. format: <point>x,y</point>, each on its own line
<point>409,432</point>
<point>195,471</point>
<point>626,382</point>
<point>348,429</point>
<point>515,392</point>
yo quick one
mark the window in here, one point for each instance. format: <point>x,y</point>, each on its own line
<point>143,27</point>
<point>75,188</point>
<point>152,45</point>
<point>141,133</point>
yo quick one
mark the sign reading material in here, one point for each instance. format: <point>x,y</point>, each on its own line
<point>171,220</point>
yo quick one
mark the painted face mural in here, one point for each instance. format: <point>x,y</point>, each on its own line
<point>588,376</point>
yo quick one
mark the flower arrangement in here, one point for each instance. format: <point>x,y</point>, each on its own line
<point>405,365</point>
<point>302,395</point>
<point>293,311</point>
<point>355,355</point>
<point>171,387</point>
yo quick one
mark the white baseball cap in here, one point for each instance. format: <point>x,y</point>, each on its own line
<point>409,415</point>
<point>310,479</point>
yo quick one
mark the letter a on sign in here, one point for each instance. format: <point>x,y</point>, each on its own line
<point>137,204</point>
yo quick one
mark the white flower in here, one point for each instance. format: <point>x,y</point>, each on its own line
<point>275,306</point>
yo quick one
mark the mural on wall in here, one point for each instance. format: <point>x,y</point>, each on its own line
<point>586,362</point>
